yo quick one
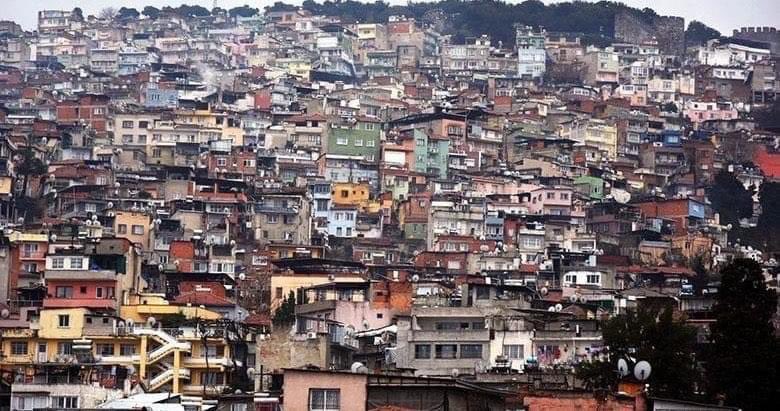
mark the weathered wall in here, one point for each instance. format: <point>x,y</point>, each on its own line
<point>279,351</point>
<point>764,34</point>
<point>668,30</point>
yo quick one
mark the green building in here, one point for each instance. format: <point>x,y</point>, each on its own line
<point>361,139</point>
<point>430,154</point>
<point>593,187</point>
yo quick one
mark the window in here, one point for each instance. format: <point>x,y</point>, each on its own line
<point>358,142</point>
<point>58,262</point>
<point>156,153</point>
<point>342,141</point>
<point>349,232</point>
<point>550,196</point>
<point>564,196</point>
<point>279,292</point>
<point>138,230</point>
<point>142,139</point>
<point>67,402</point>
<point>64,292</point>
<point>105,349</point>
<point>446,351</point>
<point>122,229</point>
<point>212,378</point>
<point>422,351</point>
<point>127,349</point>
<point>322,205</point>
<point>471,351</point>
<point>221,161</point>
<point>324,400</point>
<point>29,249</point>
<point>592,279</point>
<point>370,143</point>
<point>76,263</point>
<point>19,348</point>
<point>127,124</point>
<point>64,348</point>
<point>64,319</point>
<point>99,292</point>
<point>238,407</point>
<point>513,351</point>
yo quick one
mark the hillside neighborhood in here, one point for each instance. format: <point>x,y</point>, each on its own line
<point>283,209</point>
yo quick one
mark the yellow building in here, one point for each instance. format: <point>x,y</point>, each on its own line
<point>296,67</point>
<point>602,135</point>
<point>212,125</point>
<point>133,226</point>
<point>283,283</point>
<point>177,360</point>
<point>354,194</point>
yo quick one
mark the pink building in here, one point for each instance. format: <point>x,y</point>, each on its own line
<point>700,111</point>
<point>324,390</point>
<point>550,201</point>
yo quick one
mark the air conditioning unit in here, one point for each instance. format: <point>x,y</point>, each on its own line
<point>311,335</point>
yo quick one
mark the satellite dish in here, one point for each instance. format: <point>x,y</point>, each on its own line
<point>558,307</point>
<point>358,368</point>
<point>151,321</point>
<point>622,367</point>
<point>544,291</point>
<point>250,372</point>
<point>642,370</point>
<point>455,372</point>
<point>551,309</point>
<point>415,278</point>
<point>5,313</point>
<point>242,276</point>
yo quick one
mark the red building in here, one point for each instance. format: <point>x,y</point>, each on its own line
<point>90,109</point>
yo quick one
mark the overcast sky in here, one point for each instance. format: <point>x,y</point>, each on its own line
<point>725,15</point>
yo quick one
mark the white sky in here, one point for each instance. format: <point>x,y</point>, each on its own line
<point>725,15</point>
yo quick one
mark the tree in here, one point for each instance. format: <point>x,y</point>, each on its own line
<point>285,314</point>
<point>77,14</point>
<point>743,358</point>
<point>191,11</point>
<point>243,11</point>
<point>151,12</point>
<point>700,33</point>
<point>652,334</point>
<point>107,13</point>
<point>730,198</point>
<point>766,231</point>
<point>127,13</point>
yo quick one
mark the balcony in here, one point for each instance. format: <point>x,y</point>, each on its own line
<point>451,335</point>
<point>92,303</point>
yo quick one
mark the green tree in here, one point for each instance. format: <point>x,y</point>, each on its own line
<point>743,357</point>
<point>700,33</point>
<point>243,11</point>
<point>730,198</point>
<point>78,14</point>
<point>126,13</point>
<point>652,334</point>
<point>285,314</point>
<point>151,12</point>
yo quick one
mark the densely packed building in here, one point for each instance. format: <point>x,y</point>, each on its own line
<point>228,208</point>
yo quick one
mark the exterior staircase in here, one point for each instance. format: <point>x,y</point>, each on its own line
<point>168,343</point>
